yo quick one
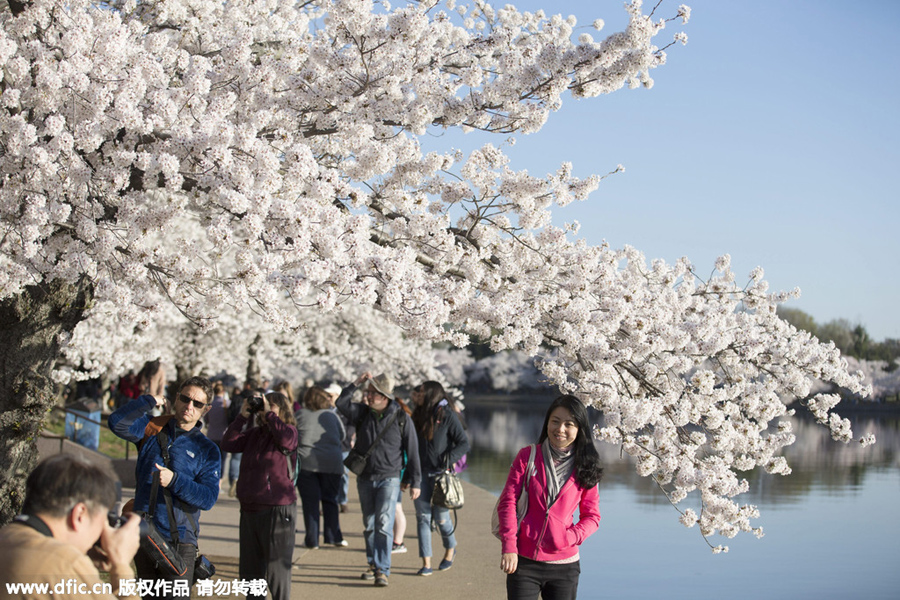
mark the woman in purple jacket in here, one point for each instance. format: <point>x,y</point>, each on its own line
<point>265,490</point>
<point>540,555</point>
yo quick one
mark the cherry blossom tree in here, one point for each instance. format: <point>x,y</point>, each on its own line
<point>337,344</point>
<point>265,156</point>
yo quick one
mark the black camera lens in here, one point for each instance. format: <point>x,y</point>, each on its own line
<point>117,521</point>
<point>255,404</point>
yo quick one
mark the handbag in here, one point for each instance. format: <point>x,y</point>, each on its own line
<point>521,501</point>
<point>448,491</point>
<point>158,549</point>
<point>356,460</point>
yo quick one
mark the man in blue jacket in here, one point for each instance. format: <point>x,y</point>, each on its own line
<point>190,477</point>
<point>379,483</point>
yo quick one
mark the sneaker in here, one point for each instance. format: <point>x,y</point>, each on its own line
<point>369,575</point>
<point>398,549</point>
<point>446,564</point>
<point>381,580</point>
<point>341,544</point>
<point>425,571</point>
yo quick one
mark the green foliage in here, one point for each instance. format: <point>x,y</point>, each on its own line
<point>798,319</point>
<point>839,331</point>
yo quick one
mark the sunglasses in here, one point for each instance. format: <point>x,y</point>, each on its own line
<point>186,400</point>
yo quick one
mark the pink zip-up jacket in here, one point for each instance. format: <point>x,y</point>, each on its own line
<point>545,535</point>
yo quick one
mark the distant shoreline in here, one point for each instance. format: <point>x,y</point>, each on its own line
<point>867,407</point>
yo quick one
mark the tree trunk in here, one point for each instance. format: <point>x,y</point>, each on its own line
<point>30,326</point>
<point>182,374</point>
<point>187,362</point>
<point>253,372</point>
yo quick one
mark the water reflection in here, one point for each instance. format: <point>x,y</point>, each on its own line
<point>831,527</point>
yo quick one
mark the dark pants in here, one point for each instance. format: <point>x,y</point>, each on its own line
<point>552,582</point>
<point>324,488</point>
<point>267,548</point>
<point>146,569</point>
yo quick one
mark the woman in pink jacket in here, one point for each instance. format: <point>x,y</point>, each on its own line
<point>540,555</point>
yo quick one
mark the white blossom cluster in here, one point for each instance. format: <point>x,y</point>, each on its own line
<point>263,156</point>
<point>338,345</point>
<point>883,376</point>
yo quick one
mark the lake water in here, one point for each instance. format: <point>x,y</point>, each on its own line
<point>832,527</point>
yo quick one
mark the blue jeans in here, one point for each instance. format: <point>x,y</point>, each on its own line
<point>345,482</point>
<point>378,500</point>
<point>234,467</point>
<point>424,515</point>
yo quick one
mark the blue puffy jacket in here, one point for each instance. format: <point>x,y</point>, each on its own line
<point>194,459</point>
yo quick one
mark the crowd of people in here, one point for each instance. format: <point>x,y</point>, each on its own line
<point>268,448</point>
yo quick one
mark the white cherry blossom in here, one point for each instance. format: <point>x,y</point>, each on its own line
<point>212,161</point>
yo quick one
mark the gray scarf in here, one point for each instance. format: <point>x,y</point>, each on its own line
<point>558,464</point>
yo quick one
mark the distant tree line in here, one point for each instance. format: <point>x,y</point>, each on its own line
<point>851,340</point>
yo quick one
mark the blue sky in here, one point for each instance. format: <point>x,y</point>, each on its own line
<point>772,136</point>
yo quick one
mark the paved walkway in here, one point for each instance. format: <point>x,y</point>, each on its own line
<point>334,573</point>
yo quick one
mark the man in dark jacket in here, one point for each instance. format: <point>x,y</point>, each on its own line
<point>379,483</point>
<point>190,477</point>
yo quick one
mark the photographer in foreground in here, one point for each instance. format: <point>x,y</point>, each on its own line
<point>265,489</point>
<point>66,511</point>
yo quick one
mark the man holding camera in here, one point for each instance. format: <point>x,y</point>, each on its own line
<point>386,437</point>
<point>44,551</point>
<point>177,472</point>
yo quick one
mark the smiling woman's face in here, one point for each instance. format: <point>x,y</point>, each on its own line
<point>561,428</point>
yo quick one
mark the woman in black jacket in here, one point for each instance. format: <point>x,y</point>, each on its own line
<point>442,442</point>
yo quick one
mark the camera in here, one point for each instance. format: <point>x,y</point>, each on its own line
<point>255,404</point>
<point>116,521</point>
<point>203,569</point>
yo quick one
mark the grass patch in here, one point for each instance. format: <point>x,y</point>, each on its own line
<point>110,445</point>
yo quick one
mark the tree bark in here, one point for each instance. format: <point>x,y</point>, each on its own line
<point>30,327</point>
<point>253,371</point>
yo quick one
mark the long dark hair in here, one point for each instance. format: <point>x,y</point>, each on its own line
<point>285,410</point>
<point>588,470</point>
<point>424,414</point>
